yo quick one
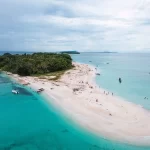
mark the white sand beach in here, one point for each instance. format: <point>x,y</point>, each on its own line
<point>78,96</point>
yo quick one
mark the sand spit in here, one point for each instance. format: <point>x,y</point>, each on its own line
<point>99,111</point>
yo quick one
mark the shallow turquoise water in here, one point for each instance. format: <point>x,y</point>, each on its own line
<point>134,69</point>
<point>27,122</point>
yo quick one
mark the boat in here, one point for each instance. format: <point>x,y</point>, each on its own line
<point>15,92</point>
<point>98,74</point>
<point>40,90</point>
<point>120,80</point>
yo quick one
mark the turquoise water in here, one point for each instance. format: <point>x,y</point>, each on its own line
<point>134,69</point>
<point>27,122</point>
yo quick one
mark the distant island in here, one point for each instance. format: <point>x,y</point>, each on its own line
<point>101,52</point>
<point>36,63</point>
<point>69,52</point>
<point>108,52</point>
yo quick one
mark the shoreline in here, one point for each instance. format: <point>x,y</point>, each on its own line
<point>107,116</point>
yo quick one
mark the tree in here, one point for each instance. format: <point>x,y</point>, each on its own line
<point>36,63</point>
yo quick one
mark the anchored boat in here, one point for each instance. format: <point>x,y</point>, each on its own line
<point>15,92</point>
<point>120,80</point>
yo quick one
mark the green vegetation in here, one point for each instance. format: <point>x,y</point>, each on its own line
<point>51,76</point>
<point>35,64</point>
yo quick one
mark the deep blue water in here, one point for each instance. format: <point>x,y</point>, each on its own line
<point>27,122</point>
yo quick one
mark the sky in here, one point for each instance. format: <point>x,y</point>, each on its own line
<point>82,25</point>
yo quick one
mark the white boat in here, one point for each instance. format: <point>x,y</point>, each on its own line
<point>15,92</point>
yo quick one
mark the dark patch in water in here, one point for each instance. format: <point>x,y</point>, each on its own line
<point>4,80</point>
<point>4,94</point>
<point>65,131</point>
<point>20,146</point>
<point>48,142</point>
<point>34,98</point>
<point>95,147</point>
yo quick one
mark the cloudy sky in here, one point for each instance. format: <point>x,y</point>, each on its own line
<point>83,25</point>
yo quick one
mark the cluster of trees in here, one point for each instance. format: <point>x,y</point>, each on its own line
<point>36,63</point>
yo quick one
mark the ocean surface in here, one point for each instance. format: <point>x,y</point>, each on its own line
<point>27,122</point>
<point>133,69</point>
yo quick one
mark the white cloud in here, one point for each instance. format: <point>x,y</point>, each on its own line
<point>84,25</point>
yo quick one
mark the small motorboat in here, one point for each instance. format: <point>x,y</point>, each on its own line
<point>15,92</point>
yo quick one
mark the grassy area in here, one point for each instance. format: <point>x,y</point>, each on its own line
<point>53,75</point>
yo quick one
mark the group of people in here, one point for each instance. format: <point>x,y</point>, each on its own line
<point>108,93</point>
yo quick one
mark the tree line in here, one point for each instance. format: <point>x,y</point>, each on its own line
<point>36,63</point>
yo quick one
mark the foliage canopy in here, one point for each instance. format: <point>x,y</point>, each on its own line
<point>36,63</point>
